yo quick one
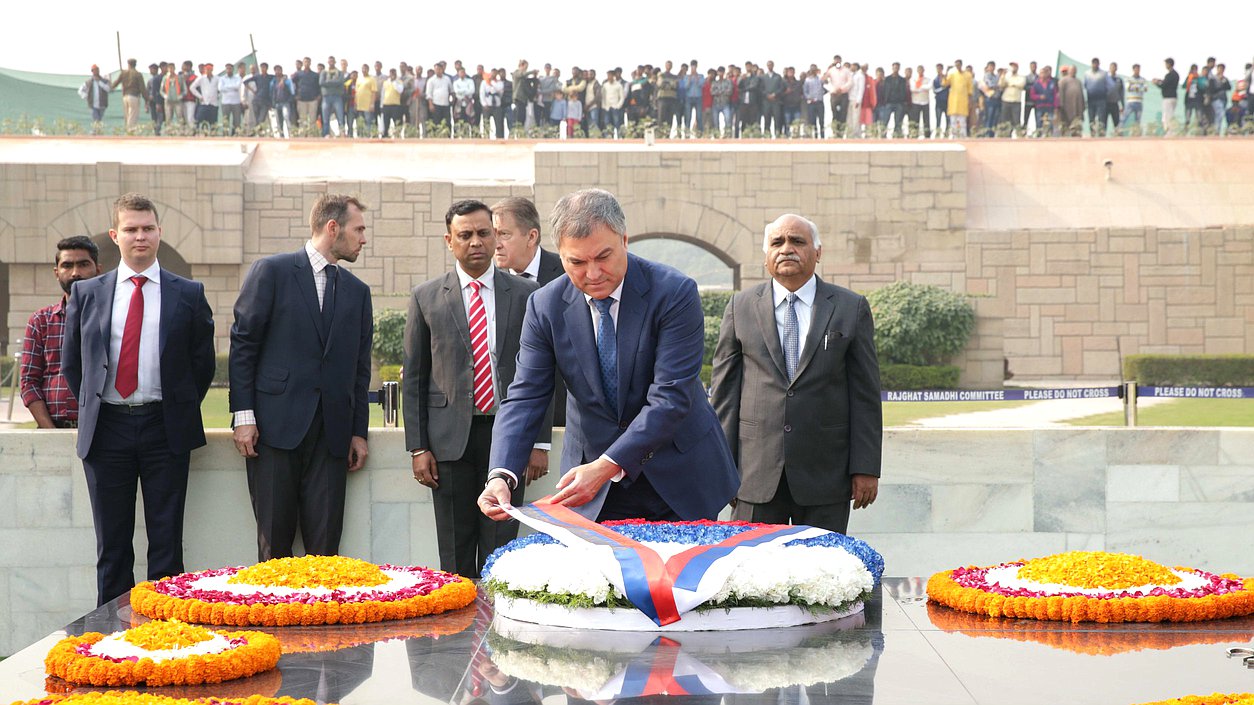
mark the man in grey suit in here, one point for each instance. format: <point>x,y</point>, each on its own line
<point>518,250</point>
<point>796,387</point>
<point>461,343</point>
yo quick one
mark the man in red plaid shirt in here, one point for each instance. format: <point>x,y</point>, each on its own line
<point>44,391</point>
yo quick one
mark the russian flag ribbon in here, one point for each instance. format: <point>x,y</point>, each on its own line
<point>662,590</point>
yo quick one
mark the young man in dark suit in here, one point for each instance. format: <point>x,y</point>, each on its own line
<point>138,357</point>
<point>300,367</point>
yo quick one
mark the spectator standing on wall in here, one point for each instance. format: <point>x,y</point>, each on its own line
<point>1134,100</point>
<point>920,94</point>
<point>1044,96</point>
<point>96,92</point>
<point>208,97</point>
<point>155,100</point>
<point>132,83</point>
<point>229,94</point>
<point>940,88</point>
<point>1169,85</point>
<point>1114,98</point>
<point>1012,88</point>
<point>896,97</point>
<point>1095,90</point>
<point>331,84</point>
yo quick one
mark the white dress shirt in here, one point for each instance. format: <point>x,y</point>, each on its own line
<point>533,267</point>
<point>804,306</point>
<point>149,388</point>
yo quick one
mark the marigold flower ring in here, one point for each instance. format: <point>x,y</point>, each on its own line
<point>126,697</point>
<point>162,653</point>
<point>1093,586</point>
<point>1212,699</point>
<point>306,590</point>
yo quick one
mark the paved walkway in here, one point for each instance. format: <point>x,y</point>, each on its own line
<point>1042,414</point>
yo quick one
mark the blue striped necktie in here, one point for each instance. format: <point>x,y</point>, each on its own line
<point>607,351</point>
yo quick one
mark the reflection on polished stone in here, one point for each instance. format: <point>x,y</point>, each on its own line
<point>899,651</point>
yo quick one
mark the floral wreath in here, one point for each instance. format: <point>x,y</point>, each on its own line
<point>1213,699</point>
<point>307,590</point>
<point>1093,586</point>
<point>839,580</point>
<point>1081,640</point>
<point>128,697</point>
<point>161,653</point>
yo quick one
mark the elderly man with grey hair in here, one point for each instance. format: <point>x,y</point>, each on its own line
<point>627,335</point>
<point>797,389</point>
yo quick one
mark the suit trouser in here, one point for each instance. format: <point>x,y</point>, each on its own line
<point>784,509</point>
<point>303,486</point>
<point>464,535</point>
<point>130,449</point>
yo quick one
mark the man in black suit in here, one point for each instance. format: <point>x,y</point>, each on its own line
<point>138,357</point>
<point>518,250</point>
<point>300,366</point>
<point>461,344</point>
<point>797,389</point>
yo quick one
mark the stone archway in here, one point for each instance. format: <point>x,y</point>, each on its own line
<point>182,238</point>
<point>712,230</point>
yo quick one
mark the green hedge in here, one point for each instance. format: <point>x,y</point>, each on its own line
<point>714,302</point>
<point>222,370</point>
<point>1190,370</point>
<point>389,373</point>
<point>389,336</point>
<point>902,377</point>
<point>920,325</point>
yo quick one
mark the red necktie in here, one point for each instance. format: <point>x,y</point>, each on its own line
<point>479,349</point>
<point>128,359</point>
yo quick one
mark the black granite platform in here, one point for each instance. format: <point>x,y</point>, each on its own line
<point>899,650</point>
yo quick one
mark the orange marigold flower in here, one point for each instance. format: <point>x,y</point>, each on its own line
<point>1097,569</point>
<point>124,697</point>
<point>312,572</point>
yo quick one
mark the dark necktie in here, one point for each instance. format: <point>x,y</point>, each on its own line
<point>607,351</point>
<point>792,337</point>
<point>526,275</point>
<point>128,358</point>
<point>328,296</point>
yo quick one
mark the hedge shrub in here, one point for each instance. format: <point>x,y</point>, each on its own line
<point>389,373</point>
<point>1190,370</point>
<point>389,336</point>
<point>907,377</point>
<point>222,370</point>
<point>920,325</point>
<point>714,302</point>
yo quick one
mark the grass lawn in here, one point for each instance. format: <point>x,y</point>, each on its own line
<point>1182,412</point>
<point>216,410</point>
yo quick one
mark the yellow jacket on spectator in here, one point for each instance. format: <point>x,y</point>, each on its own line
<point>959,92</point>
<point>366,91</point>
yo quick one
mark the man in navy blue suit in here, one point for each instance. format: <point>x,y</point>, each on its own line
<point>300,368</point>
<point>627,335</point>
<point>138,357</point>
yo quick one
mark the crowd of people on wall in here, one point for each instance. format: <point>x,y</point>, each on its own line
<point>844,99</point>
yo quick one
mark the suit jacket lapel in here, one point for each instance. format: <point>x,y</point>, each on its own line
<point>105,292</point>
<point>824,309</point>
<point>581,337</point>
<point>170,295</point>
<point>503,294</point>
<point>457,310</point>
<point>303,273</point>
<point>631,315</point>
<point>764,307</point>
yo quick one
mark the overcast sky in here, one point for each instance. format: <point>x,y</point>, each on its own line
<point>69,36</point>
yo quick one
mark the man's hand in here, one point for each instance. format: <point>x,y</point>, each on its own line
<point>582,483</point>
<point>494,498</point>
<point>357,452</point>
<point>865,489</point>
<point>537,465</point>
<point>246,440</point>
<point>427,470</point>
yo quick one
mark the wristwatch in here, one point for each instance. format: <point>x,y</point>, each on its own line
<point>416,453</point>
<point>510,482</point>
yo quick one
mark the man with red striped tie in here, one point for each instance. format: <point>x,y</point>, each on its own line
<point>138,357</point>
<point>461,344</point>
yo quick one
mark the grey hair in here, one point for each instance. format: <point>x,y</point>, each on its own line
<point>577,214</point>
<point>774,225</point>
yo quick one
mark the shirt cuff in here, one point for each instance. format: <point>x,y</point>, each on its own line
<point>505,471</point>
<point>621,472</point>
<point>244,418</point>
<point>543,446</point>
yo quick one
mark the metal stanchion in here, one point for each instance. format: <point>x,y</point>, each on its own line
<point>389,398</point>
<point>1129,404</point>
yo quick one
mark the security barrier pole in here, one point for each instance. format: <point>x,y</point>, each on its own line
<point>1129,404</point>
<point>389,399</point>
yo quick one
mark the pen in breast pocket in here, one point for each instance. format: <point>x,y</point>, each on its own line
<point>825,337</point>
